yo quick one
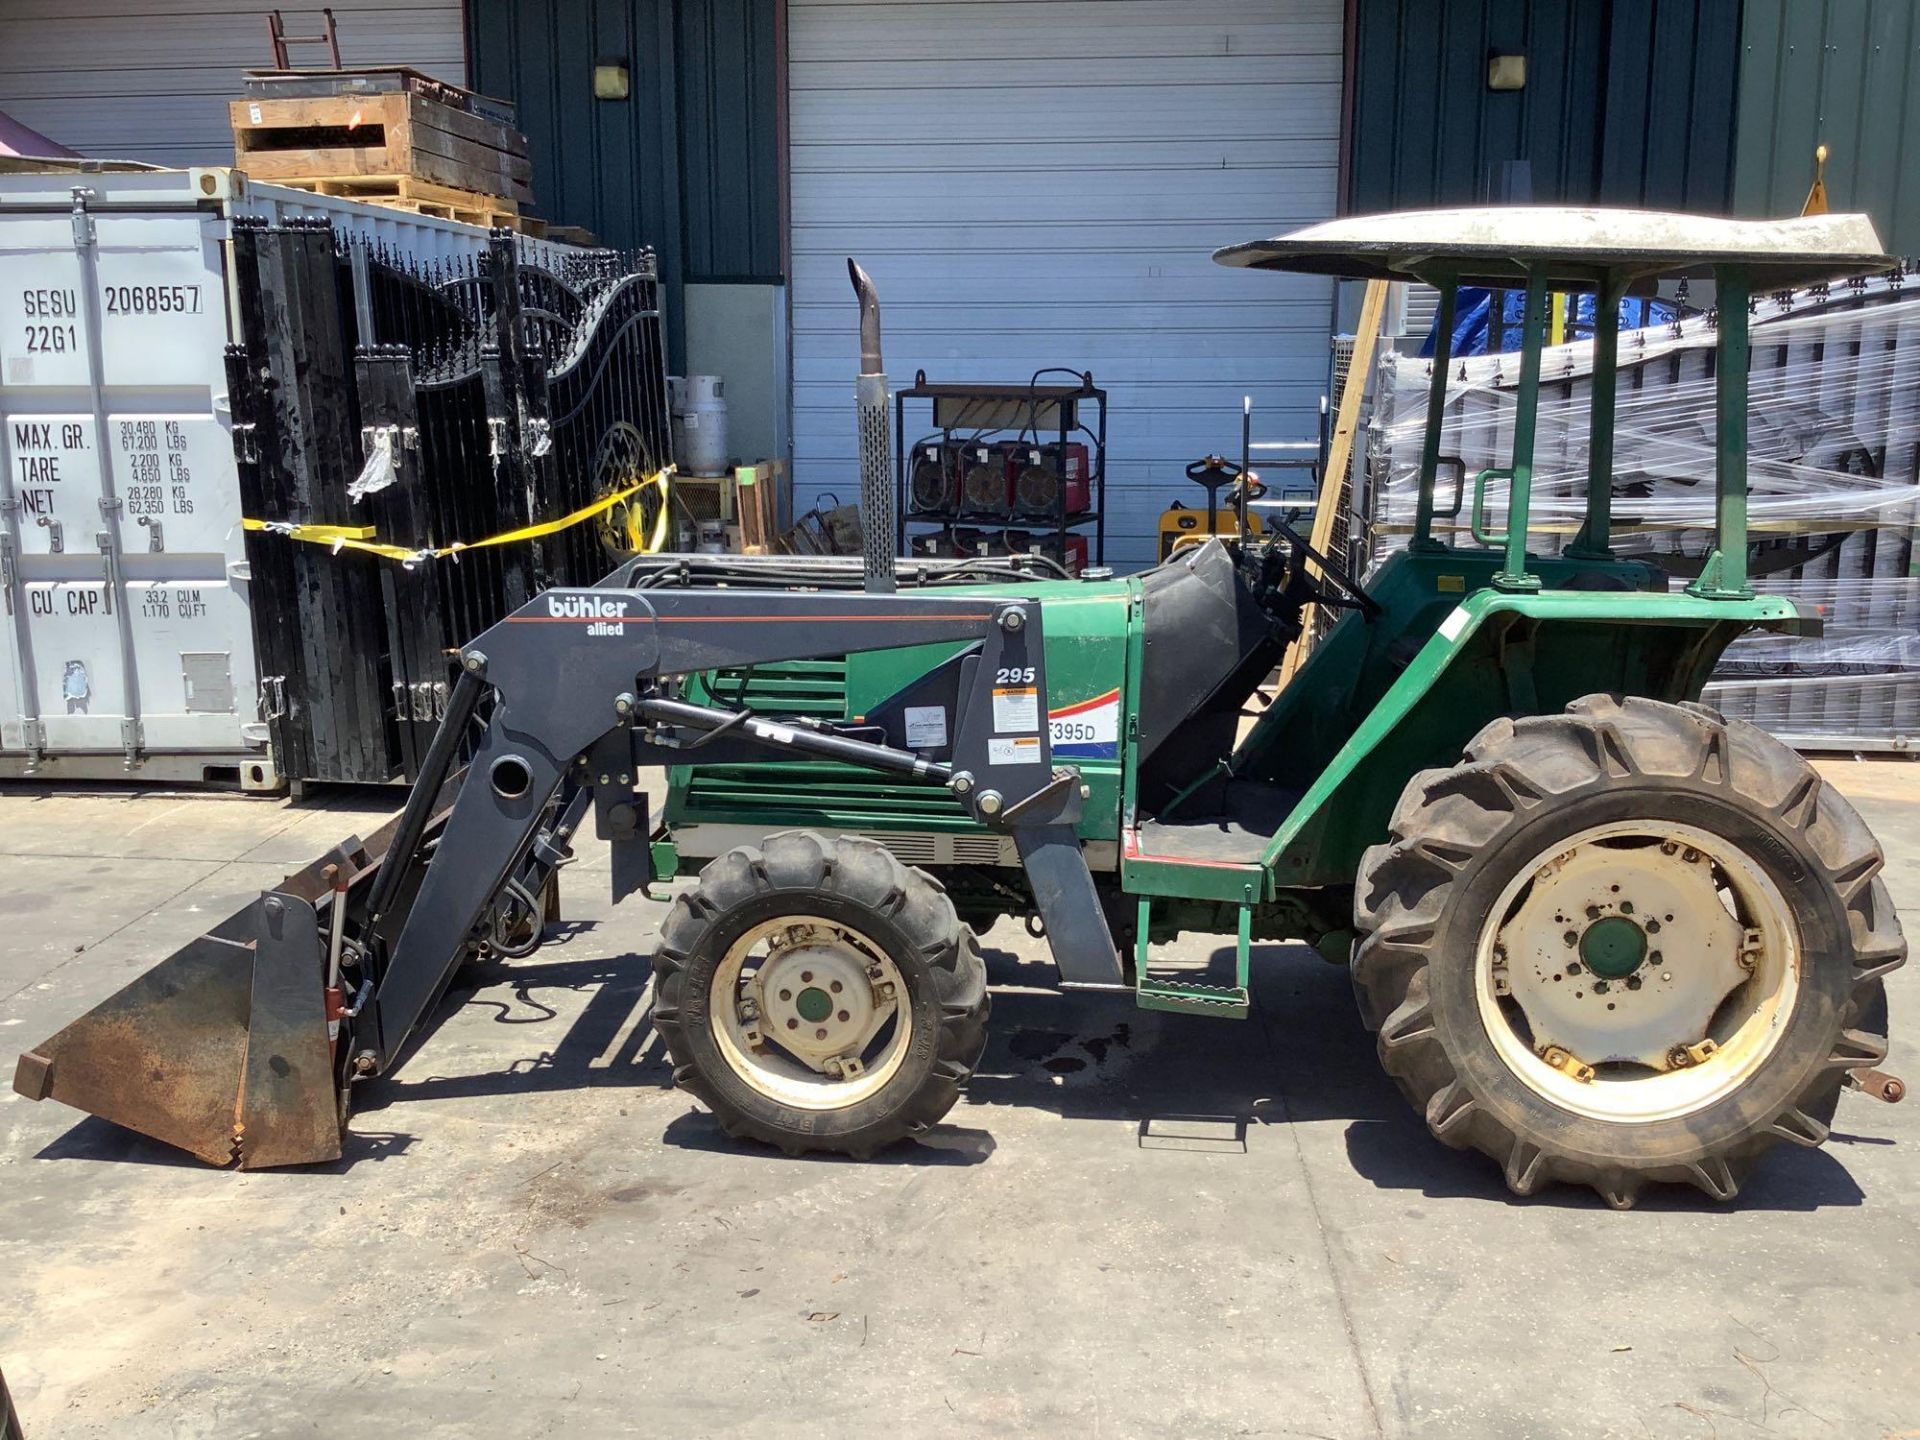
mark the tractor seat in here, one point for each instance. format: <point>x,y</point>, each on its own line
<point>1250,813</point>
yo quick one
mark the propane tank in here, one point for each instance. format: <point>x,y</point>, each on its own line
<point>699,406</point>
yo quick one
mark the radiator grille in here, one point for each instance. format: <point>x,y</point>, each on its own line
<point>804,792</point>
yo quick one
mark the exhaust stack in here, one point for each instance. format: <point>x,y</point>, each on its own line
<point>877,519</point>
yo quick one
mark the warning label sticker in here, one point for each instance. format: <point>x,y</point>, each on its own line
<point>1014,750</point>
<point>1016,709</point>
<point>926,727</point>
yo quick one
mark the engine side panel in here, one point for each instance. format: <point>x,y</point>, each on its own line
<point>710,807</point>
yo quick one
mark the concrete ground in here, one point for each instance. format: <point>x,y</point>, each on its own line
<point>1135,1224</point>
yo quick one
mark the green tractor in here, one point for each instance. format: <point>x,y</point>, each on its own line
<point>1603,934</point>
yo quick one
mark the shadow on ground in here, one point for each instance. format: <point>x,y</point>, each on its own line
<point>1182,1082</point>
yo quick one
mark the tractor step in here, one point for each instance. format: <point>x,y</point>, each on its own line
<point>1191,997</point>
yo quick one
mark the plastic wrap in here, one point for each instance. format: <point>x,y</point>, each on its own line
<point>1833,477</point>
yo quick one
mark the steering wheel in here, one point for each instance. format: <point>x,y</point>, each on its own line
<point>1348,594</point>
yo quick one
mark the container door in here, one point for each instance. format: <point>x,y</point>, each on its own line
<point>127,617</point>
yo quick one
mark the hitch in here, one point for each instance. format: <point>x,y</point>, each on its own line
<point>1878,1084</point>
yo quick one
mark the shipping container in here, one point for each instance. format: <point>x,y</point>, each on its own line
<point>127,647</point>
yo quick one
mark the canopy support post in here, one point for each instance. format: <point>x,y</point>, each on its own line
<point>1436,414</point>
<point>1512,574</point>
<point>1724,576</point>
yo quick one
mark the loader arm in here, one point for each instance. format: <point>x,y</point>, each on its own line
<point>583,686</point>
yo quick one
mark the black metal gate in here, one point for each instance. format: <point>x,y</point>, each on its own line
<point>500,395</point>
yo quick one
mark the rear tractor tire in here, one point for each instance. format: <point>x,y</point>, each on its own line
<point>1631,943</point>
<point>817,994</point>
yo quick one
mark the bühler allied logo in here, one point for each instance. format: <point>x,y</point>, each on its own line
<point>604,617</point>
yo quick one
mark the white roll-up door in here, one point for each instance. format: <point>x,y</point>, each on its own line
<point>150,79</point>
<point>1042,182</point>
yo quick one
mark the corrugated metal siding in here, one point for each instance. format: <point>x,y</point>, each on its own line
<point>1845,74</point>
<point>688,164</point>
<point>1627,102</point>
<point>729,85</point>
<point>610,165</point>
<point>1042,184</point>
<point>150,79</point>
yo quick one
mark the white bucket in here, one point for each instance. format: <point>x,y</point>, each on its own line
<point>699,408</point>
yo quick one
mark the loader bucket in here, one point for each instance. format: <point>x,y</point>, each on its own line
<point>222,1048</point>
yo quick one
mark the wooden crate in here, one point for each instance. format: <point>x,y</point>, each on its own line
<point>375,79</point>
<point>756,502</point>
<point>393,136</point>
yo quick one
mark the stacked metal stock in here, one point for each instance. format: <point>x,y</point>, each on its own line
<point>1834,475</point>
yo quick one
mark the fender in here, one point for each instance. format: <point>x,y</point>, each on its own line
<point>1499,653</point>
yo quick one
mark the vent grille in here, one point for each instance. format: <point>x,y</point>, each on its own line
<point>912,849</point>
<point>977,849</point>
<point>791,687</point>
<point>818,793</point>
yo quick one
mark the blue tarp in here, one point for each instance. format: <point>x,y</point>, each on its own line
<point>1475,309</point>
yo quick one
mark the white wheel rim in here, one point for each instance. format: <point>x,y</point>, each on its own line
<point>1584,1023</point>
<point>810,1013</point>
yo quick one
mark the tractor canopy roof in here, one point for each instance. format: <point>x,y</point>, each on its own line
<point>1569,248</point>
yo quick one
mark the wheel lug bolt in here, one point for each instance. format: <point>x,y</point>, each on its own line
<point>1600,987</point>
<point>1633,982</point>
<point>821,1033</point>
<point>835,987</point>
<point>1571,937</point>
<point>844,1017</point>
<point>786,994</point>
<point>793,1024</point>
<point>1653,927</point>
<point>1626,907</point>
<point>806,977</point>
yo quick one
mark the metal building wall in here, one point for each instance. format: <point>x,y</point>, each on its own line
<point>1627,102</point>
<point>150,79</point>
<point>1844,73</point>
<point>1037,184</point>
<point>729,85</point>
<point>688,163</point>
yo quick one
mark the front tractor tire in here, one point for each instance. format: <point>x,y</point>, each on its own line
<point>817,994</point>
<point>1631,943</point>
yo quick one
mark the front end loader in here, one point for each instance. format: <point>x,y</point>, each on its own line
<point>1602,934</point>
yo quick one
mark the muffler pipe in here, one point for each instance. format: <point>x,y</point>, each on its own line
<point>877,518</point>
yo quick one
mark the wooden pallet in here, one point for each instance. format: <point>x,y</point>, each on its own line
<point>421,197</point>
<point>391,136</point>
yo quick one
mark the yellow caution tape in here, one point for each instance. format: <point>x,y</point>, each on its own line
<point>626,526</point>
<point>361,537</point>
